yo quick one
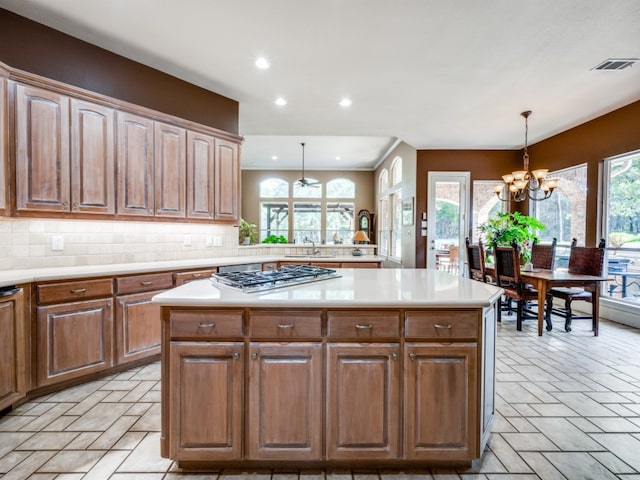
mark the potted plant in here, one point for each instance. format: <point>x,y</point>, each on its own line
<point>247,232</point>
<point>506,227</point>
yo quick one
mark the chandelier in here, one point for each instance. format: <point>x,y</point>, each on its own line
<point>523,184</point>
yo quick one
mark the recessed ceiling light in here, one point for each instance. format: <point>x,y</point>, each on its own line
<point>281,102</point>
<point>262,63</point>
<point>345,102</point>
<point>274,157</point>
<point>338,157</point>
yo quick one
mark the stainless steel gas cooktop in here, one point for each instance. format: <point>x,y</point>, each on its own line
<point>258,281</point>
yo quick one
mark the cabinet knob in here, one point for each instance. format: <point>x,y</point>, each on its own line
<point>65,204</point>
<point>76,204</point>
<point>254,356</point>
<point>394,356</point>
<point>236,355</point>
<point>412,356</point>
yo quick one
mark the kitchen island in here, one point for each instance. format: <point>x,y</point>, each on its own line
<point>382,367</point>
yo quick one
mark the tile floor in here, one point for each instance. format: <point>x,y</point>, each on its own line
<point>568,407</point>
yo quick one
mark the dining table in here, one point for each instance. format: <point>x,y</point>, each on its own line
<point>544,280</point>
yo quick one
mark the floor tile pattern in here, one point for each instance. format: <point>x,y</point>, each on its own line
<point>568,408</point>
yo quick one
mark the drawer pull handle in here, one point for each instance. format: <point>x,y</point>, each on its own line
<point>146,284</point>
<point>236,355</point>
<point>207,325</point>
<point>196,275</point>
<point>368,326</point>
<point>412,356</point>
<point>447,327</point>
<point>286,325</point>
<point>254,356</point>
<point>78,290</point>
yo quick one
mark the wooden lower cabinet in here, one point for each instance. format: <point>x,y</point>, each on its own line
<point>14,349</point>
<point>363,401</point>
<point>206,395</point>
<point>284,419</point>
<point>137,327</point>
<point>73,339</point>
<point>440,401</point>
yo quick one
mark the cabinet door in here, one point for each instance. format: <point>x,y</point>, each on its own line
<point>93,174</point>
<point>4,159</point>
<point>14,350</point>
<point>440,402</point>
<point>73,339</point>
<point>42,150</point>
<point>138,327</point>
<point>205,397</point>
<point>363,407</point>
<point>135,165</point>
<point>285,402</point>
<point>200,175</point>
<point>227,180</point>
<point>170,168</point>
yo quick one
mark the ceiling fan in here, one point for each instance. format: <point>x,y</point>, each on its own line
<point>304,182</point>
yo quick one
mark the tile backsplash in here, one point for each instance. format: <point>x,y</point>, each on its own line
<point>27,243</point>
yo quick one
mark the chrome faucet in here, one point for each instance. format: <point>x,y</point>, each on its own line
<point>314,250</point>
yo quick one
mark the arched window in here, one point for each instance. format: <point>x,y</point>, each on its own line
<point>383,181</point>
<point>396,171</point>
<point>341,188</point>
<point>313,190</point>
<point>274,188</point>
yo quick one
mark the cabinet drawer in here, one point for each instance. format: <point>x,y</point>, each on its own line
<point>185,277</point>
<point>144,283</point>
<point>360,265</point>
<point>72,291</point>
<point>442,324</point>
<point>285,324</point>
<point>363,324</point>
<point>205,324</point>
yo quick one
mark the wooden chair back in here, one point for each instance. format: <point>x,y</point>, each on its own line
<point>507,265</point>
<point>587,260</point>
<point>475,261</point>
<point>544,256</point>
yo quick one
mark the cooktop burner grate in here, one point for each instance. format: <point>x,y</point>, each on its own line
<point>285,276</point>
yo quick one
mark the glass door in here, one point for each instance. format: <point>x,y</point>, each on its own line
<point>447,204</point>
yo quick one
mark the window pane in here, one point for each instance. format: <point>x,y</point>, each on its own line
<point>486,205</point>
<point>274,188</point>
<point>383,181</point>
<point>274,219</point>
<point>308,191</point>
<point>383,225</point>
<point>564,213</point>
<point>306,221</point>
<point>396,234</point>
<point>340,222</point>
<point>396,171</point>
<point>341,188</point>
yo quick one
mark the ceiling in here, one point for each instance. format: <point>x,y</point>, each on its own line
<point>434,74</point>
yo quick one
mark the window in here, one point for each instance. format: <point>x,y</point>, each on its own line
<point>486,205</point>
<point>396,171</point>
<point>396,225</point>
<point>383,226</point>
<point>622,227</point>
<point>383,181</point>
<point>307,214</point>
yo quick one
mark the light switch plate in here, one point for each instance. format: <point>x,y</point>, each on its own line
<point>208,241</point>
<point>187,240</point>
<point>217,241</point>
<point>57,243</point>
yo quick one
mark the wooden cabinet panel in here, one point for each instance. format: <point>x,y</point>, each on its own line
<point>206,401</point>
<point>14,349</point>
<point>4,156</point>
<point>73,291</point>
<point>42,149</point>
<point>205,324</point>
<point>200,175</point>
<point>73,339</point>
<point>138,327</point>
<point>285,402</point>
<point>442,324</point>
<point>363,324</point>
<point>440,402</point>
<point>181,278</point>
<point>360,265</point>
<point>170,170</point>
<point>143,283</point>
<point>135,165</point>
<point>363,406</point>
<point>227,180</point>
<point>288,324</point>
<point>92,158</point>
<point>488,373</point>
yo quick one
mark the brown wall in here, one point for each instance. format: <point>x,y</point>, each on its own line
<point>38,49</point>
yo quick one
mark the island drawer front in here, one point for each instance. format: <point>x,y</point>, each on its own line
<point>185,277</point>
<point>72,291</point>
<point>144,283</point>
<point>285,324</point>
<point>205,324</point>
<point>363,324</point>
<point>438,324</point>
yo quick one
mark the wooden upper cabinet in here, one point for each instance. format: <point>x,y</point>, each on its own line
<point>227,180</point>
<point>200,175</point>
<point>170,168</point>
<point>92,158</point>
<point>42,149</point>
<point>3,146</point>
<point>135,165</point>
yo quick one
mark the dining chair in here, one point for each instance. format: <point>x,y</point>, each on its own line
<point>507,271</point>
<point>584,261</point>
<point>454,259</point>
<point>544,256</point>
<point>475,261</point>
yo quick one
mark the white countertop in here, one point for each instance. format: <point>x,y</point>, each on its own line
<point>355,288</point>
<point>16,277</point>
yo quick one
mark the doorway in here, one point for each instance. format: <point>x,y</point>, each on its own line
<point>447,205</point>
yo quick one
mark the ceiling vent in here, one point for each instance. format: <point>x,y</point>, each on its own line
<point>615,64</point>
